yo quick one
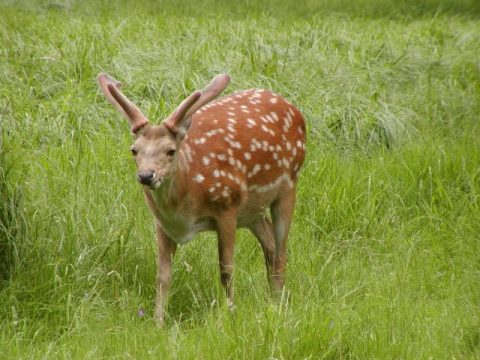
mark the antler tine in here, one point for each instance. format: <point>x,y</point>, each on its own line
<point>111,89</point>
<point>216,86</point>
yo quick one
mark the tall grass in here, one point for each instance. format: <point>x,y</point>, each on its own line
<point>11,220</point>
<point>384,250</point>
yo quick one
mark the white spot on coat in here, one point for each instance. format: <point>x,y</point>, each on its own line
<point>256,169</point>
<point>199,178</point>
<point>202,140</point>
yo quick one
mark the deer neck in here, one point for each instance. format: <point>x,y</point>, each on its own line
<point>171,205</point>
<point>171,193</point>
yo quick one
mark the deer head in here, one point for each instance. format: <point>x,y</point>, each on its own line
<point>155,146</point>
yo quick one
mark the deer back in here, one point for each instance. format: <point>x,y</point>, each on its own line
<point>243,146</point>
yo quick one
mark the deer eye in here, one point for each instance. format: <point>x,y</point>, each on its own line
<point>171,152</point>
<point>133,151</point>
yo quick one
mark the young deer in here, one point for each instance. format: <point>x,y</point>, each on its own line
<point>218,165</point>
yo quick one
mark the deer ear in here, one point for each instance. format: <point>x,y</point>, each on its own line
<point>111,89</point>
<point>179,119</point>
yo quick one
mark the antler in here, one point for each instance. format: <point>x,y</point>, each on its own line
<point>110,88</point>
<point>180,117</point>
<point>176,119</point>
<point>215,88</point>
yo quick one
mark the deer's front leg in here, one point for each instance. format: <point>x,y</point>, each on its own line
<point>166,251</point>
<point>226,225</point>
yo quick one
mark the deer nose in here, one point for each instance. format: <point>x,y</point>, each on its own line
<point>145,177</point>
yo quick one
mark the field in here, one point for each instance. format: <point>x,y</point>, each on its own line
<point>384,251</point>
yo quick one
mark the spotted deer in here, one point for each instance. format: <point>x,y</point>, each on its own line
<point>218,165</point>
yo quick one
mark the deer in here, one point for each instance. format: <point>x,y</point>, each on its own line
<point>217,164</point>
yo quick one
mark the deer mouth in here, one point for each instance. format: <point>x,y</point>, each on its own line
<point>150,179</point>
<point>155,183</point>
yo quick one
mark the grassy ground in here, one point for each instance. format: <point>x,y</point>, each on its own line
<point>384,253</point>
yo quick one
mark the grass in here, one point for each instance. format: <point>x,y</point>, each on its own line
<point>384,252</point>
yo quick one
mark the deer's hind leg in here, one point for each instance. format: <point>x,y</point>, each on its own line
<point>282,212</point>
<point>263,231</point>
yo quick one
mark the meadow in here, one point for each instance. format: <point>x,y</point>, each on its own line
<point>384,251</point>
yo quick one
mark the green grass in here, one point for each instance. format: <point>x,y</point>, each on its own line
<point>384,252</point>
